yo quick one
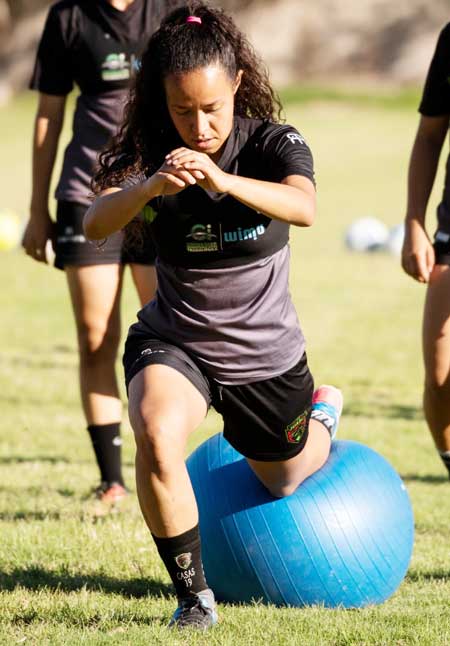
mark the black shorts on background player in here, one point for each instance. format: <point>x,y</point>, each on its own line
<point>436,102</point>
<point>72,248</point>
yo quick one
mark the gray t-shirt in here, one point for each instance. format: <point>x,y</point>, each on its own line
<point>239,323</point>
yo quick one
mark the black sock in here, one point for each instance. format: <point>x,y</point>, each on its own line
<point>107,446</point>
<point>445,457</point>
<point>183,560</point>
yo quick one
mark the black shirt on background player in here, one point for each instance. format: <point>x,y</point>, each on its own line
<point>97,47</point>
<point>436,102</point>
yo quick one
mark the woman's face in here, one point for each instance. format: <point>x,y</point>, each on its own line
<point>201,106</point>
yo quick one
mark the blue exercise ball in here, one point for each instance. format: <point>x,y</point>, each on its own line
<point>343,539</point>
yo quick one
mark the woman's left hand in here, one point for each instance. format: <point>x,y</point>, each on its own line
<point>214,179</point>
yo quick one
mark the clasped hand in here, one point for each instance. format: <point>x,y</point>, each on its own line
<point>184,167</point>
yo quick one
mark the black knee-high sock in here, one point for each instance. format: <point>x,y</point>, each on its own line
<point>183,560</point>
<point>445,457</point>
<point>107,446</point>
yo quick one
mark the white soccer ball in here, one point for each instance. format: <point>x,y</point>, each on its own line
<point>394,243</point>
<point>366,234</point>
<point>10,230</point>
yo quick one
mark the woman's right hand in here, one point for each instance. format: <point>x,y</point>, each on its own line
<point>169,180</point>
<point>38,232</point>
<point>417,253</point>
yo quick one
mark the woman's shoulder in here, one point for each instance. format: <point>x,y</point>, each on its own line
<point>444,35</point>
<point>263,132</point>
<point>63,6</point>
<point>65,12</point>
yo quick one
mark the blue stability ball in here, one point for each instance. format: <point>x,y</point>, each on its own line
<point>344,538</point>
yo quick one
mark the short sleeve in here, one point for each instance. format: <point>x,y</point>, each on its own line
<point>52,70</point>
<point>436,94</point>
<point>285,152</point>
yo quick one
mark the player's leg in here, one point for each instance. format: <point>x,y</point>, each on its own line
<point>165,408</point>
<point>94,277</point>
<point>144,278</point>
<point>281,426</point>
<point>284,476</point>
<point>95,294</point>
<point>436,351</point>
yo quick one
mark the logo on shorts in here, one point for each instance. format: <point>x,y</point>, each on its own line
<point>184,560</point>
<point>295,430</point>
<point>150,351</point>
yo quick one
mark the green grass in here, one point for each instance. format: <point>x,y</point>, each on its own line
<point>66,579</point>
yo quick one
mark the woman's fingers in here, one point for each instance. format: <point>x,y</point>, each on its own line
<point>198,174</point>
<point>179,177</point>
<point>417,266</point>
<point>182,156</point>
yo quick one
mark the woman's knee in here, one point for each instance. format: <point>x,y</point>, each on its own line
<point>155,437</point>
<point>98,342</point>
<point>281,489</point>
<point>278,483</point>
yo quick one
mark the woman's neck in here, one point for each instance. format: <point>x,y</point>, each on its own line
<point>120,5</point>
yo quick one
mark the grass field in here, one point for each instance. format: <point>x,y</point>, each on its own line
<point>68,579</point>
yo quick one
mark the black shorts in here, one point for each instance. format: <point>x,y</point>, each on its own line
<point>264,420</point>
<point>442,247</point>
<point>72,248</point>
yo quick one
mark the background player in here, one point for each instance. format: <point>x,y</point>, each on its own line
<point>427,262</point>
<point>96,45</point>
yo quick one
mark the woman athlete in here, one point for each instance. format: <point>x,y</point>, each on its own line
<point>219,180</point>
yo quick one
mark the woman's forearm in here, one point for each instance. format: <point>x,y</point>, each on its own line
<point>291,201</point>
<point>115,208</point>
<point>423,166</point>
<point>47,130</point>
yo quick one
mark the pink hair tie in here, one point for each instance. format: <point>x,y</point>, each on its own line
<point>194,19</point>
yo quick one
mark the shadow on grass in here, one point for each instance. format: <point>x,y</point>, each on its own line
<point>19,459</point>
<point>29,516</point>
<point>428,478</point>
<point>50,459</point>
<point>436,575</point>
<point>378,409</point>
<point>38,578</point>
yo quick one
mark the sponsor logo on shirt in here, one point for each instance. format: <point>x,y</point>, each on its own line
<point>201,239</point>
<point>115,67</point>
<point>252,233</point>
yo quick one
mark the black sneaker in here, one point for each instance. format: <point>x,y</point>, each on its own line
<point>197,611</point>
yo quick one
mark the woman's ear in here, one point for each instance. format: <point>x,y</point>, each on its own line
<point>237,81</point>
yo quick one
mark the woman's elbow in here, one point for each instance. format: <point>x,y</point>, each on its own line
<point>304,217</point>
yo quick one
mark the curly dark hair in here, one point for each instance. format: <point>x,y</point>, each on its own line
<point>147,133</point>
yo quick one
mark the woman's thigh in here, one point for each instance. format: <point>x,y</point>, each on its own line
<point>436,327</point>
<point>95,292</point>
